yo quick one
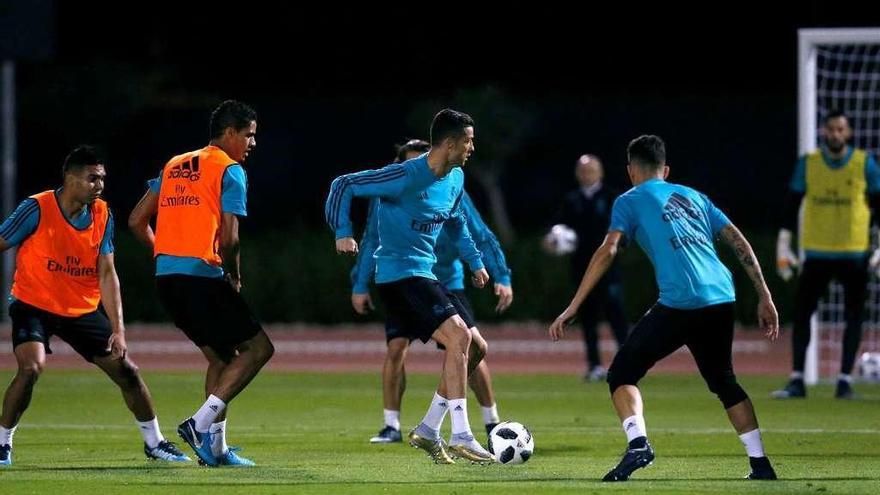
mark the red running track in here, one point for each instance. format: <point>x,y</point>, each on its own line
<point>513,348</point>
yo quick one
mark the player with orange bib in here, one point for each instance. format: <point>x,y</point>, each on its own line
<point>197,201</point>
<point>64,271</point>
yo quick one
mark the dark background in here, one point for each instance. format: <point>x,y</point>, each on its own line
<point>337,86</point>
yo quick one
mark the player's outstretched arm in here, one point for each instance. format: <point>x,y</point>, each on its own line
<point>767,316</point>
<point>139,220</point>
<point>599,264</point>
<point>387,182</point>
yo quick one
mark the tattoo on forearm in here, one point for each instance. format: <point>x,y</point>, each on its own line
<point>743,252</point>
<point>745,255</point>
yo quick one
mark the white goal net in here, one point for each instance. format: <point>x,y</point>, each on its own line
<point>839,69</point>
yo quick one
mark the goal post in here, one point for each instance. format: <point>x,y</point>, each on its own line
<point>839,68</point>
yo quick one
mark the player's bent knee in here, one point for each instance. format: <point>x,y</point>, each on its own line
<point>31,370</point>
<point>218,356</point>
<point>462,340</point>
<point>731,395</point>
<point>623,372</point>
<point>260,347</point>
<point>396,358</point>
<point>459,345</point>
<point>459,326</point>
<point>128,374</point>
<point>397,349</point>
<point>455,335</point>
<point>729,392</point>
<point>479,346</point>
<point>268,350</point>
<point>616,380</point>
<point>129,368</point>
<point>734,397</point>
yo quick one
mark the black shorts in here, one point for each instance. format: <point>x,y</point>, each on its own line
<point>209,311</point>
<point>417,306</point>
<point>87,334</point>
<point>708,333</point>
<point>465,306</point>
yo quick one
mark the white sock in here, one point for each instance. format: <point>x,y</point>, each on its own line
<point>459,416</point>
<point>218,437</point>
<point>797,375</point>
<point>490,414</point>
<point>634,427</point>
<point>434,417</point>
<point>151,433</point>
<point>6,435</point>
<point>844,378</point>
<point>392,418</point>
<point>752,442</point>
<point>208,413</point>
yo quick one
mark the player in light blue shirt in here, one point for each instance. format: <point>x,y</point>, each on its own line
<point>418,198</point>
<point>678,240</point>
<point>450,274</point>
<point>449,269</point>
<point>415,203</point>
<point>676,227</point>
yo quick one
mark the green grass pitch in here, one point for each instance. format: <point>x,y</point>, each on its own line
<point>308,434</point>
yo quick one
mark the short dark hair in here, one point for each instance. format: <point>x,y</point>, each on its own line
<point>449,123</point>
<point>409,146</point>
<point>835,114</point>
<point>647,151</point>
<point>81,157</point>
<point>233,114</point>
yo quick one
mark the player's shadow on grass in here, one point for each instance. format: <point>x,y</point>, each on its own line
<point>775,457</point>
<point>568,449</point>
<point>761,483</point>
<point>96,468</point>
<point>292,472</point>
<point>301,482</point>
<point>825,455</point>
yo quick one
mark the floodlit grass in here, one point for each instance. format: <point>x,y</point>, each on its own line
<point>308,434</point>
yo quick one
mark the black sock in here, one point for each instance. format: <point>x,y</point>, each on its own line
<point>638,443</point>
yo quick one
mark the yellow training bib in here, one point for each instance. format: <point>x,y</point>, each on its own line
<point>836,214</point>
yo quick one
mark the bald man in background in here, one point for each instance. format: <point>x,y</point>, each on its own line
<point>587,211</point>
